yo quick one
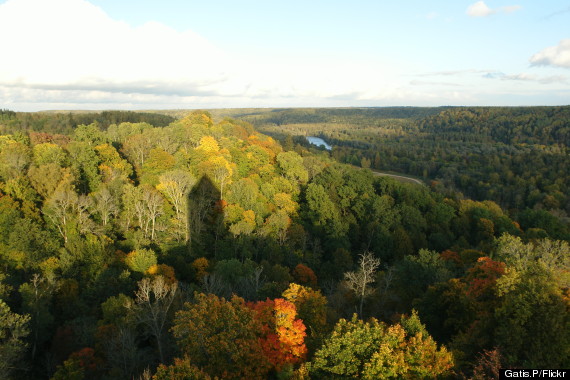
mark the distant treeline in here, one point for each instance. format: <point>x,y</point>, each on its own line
<point>283,116</point>
<point>508,125</point>
<point>65,123</point>
<point>515,156</point>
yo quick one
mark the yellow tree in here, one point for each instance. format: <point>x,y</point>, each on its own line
<point>311,306</point>
<point>112,165</point>
<point>284,202</point>
<point>245,225</point>
<point>14,159</point>
<point>209,145</point>
<point>46,178</point>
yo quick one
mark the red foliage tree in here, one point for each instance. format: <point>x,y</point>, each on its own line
<point>283,336</point>
<point>305,275</point>
<point>451,256</point>
<point>482,277</point>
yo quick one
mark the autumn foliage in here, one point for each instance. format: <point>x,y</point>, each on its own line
<point>283,336</point>
<point>483,276</point>
<point>232,339</point>
<point>182,369</point>
<point>221,337</point>
<point>311,306</point>
<point>163,270</point>
<point>305,275</point>
<point>200,266</point>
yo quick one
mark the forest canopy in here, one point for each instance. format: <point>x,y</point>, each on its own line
<point>198,247</point>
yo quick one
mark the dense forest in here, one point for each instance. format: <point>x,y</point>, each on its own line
<point>199,248</point>
<point>517,157</point>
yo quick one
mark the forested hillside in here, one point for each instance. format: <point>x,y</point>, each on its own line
<point>203,249</point>
<point>517,157</point>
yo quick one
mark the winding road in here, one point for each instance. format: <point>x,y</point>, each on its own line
<point>398,177</point>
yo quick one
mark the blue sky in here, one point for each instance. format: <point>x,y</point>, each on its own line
<point>113,54</point>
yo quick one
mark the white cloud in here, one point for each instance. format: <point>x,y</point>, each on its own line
<point>480,9</point>
<point>558,55</point>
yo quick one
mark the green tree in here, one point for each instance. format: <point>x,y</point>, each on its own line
<point>533,323</point>
<point>141,260</point>
<point>13,332</point>
<point>415,273</point>
<point>15,157</point>
<point>90,134</point>
<point>320,209</point>
<point>69,212</point>
<point>48,153</point>
<point>372,350</point>
<point>36,296</point>
<point>292,166</point>
<point>85,166</point>
<point>137,149</point>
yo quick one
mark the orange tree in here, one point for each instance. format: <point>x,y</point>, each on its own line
<point>283,335</point>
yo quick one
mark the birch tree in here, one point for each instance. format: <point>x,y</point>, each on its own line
<point>359,282</point>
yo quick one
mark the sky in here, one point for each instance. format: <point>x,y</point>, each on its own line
<point>187,54</point>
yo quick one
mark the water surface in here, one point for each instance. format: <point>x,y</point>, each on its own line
<point>318,142</point>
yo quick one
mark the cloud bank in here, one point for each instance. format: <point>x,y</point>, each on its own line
<point>73,45</point>
<point>70,53</point>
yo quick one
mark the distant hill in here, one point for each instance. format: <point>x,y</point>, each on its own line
<point>65,122</point>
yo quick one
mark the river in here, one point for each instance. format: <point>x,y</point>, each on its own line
<point>318,142</point>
